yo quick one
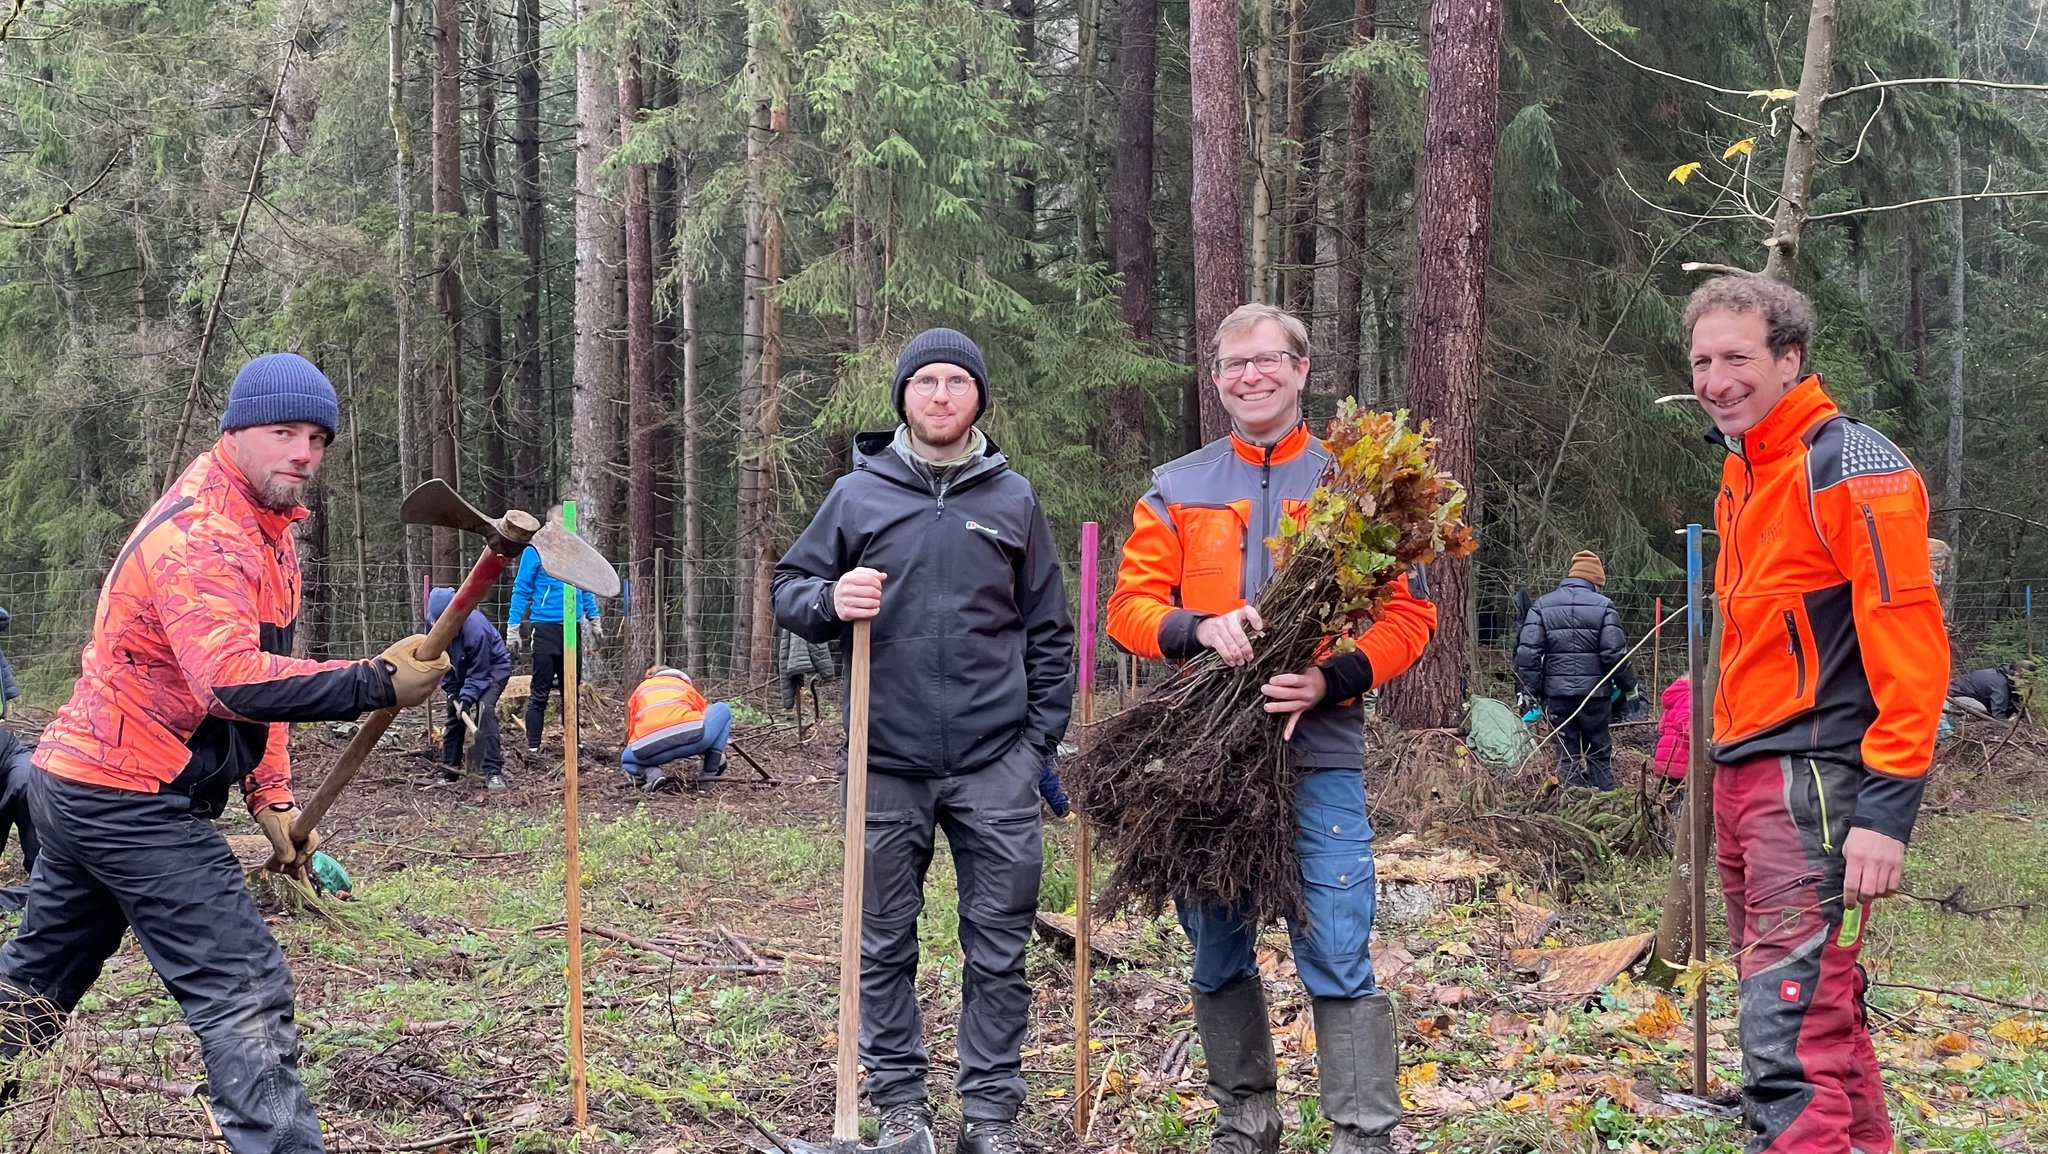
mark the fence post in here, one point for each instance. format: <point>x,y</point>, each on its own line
<point>660,612</point>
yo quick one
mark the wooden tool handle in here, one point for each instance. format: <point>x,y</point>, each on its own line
<point>481,576</point>
<point>846,1118</point>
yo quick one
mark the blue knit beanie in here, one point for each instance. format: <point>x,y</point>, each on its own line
<point>941,346</point>
<point>277,389</point>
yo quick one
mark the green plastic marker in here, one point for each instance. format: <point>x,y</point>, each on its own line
<point>1852,925</point>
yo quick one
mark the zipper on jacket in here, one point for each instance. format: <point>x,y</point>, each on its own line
<point>1820,794</point>
<point>1797,651</point>
<point>1884,579</point>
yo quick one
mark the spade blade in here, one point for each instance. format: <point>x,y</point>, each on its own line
<point>569,558</point>
<point>434,503</point>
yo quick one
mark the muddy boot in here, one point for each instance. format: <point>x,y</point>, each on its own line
<point>1360,1059</point>
<point>1238,1042</point>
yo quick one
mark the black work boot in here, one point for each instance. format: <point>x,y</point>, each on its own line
<point>1360,1060</point>
<point>993,1138</point>
<point>1238,1041</point>
<point>908,1124</point>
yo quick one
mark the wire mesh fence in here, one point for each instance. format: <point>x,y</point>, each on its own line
<point>352,610</point>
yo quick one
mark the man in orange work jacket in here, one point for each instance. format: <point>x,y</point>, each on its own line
<point>186,689</point>
<point>1194,561</point>
<point>1833,669</point>
<point>668,719</point>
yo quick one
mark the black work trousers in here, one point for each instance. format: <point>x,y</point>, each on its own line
<point>991,821</point>
<point>489,751</point>
<point>1585,749</point>
<point>547,673</point>
<point>114,860</point>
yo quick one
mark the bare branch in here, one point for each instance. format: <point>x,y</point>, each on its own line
<point>1690,215</point>
<point>1987,194</point>
<point>1717,270</point>
<point>1993,512</point>
<point>1924,81</point>
<point>1858,150</point>
<point>1625,58</point>
<point>14,15</point>
<point>70,202</point>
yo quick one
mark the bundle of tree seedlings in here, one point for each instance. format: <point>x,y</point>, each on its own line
<point>1192,788</point>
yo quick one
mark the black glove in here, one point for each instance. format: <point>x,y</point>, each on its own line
<point>465,703</point>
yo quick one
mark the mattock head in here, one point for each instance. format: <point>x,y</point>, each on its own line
<point>563,554</point>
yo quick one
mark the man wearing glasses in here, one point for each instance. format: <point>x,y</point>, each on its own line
<point>945,548</point>
<point>1194,563</point>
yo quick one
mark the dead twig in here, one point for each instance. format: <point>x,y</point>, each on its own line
<point>2010,1005</point>
<point>1953,903</point>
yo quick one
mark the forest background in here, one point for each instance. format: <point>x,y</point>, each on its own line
<point>658,256</point>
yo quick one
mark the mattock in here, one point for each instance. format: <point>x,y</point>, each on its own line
<point>563,554</point>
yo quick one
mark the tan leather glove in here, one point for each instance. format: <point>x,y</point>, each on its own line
<point>412,680</point>
<point>285,857</point>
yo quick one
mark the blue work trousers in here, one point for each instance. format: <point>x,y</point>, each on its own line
<point>1331,945</point>
<point>658,751</point>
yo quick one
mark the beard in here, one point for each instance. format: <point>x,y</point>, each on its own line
<point>280,496</point>
<point>930,436</point>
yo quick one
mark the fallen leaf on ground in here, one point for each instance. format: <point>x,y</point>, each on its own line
<point>1580,971</point>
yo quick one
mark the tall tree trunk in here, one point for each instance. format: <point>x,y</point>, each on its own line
<point>492,331</point>
<point>1087,188</point>
<point>1357,203</point>
<point>1958,324</point>
<point>1024,198</point>
<point>1218,138</point>
<point>535,407</point>
<point>406,289</point>
<point>448,302</point>
<point>1916,297</point>
<point>316,588</point>
<point>693,494</point>
<point>1297,202</point>
<point>599,254</point>
<point>753,638</point>
<point>1802,146</point>
<point>1446,336</point>
<point>1137,84</point>
<point>1265,157</point>
<point>642,367</point>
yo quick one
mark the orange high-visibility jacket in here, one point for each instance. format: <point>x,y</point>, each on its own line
<point>665,703</point>
<point>1198,549</point>
<point>188,680</point>
<point>1834,644</point>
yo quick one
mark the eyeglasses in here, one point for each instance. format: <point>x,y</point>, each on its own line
<point>1231,368</point>
<point>955,386</point>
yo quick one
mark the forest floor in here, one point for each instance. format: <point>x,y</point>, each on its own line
<point>433,1004</point>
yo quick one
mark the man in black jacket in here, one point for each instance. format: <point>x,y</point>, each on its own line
<point>970,687</point>
<point>1989,692</point>
<point>1571,642</point>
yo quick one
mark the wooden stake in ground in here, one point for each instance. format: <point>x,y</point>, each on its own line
<point>1090,543</point>
<point>579,1085</point>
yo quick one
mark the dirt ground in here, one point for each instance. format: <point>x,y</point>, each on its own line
<point>434,1003</point>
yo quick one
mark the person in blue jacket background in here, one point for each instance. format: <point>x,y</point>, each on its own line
<point>8,689</point>
<point>537,619</point>
<point>479,667</point>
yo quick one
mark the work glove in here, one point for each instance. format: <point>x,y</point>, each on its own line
<point>595,630</point>
<point>1524,701</point>
<point>515,638</point>
<point>276,823</point>
<point>1533,716</point>
<point>466,703</point>
<point>1050,789</point>
<point>412,680</point>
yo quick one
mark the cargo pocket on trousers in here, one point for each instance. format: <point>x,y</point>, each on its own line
<point>1337,889</point>
<point>893,885</point>
<point>1008,857</point>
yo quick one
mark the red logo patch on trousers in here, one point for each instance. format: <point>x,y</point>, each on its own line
<point>1788,991</point>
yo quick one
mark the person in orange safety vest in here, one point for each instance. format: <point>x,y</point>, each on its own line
<point>668,719</point>
<point>1834,664</point>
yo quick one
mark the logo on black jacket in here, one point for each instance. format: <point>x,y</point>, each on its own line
<point>988,529</point>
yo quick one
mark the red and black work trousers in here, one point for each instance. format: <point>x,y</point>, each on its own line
<point>1810,1077</point>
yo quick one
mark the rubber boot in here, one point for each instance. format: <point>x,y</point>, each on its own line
<point>1360,1060</point>
<point>1238,1041</point>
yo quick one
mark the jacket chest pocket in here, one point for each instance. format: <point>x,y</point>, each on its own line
<point>1212,541</point>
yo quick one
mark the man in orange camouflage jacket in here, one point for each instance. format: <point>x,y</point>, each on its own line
<point>1834,665</point>
<point>1194,562</point>
<point>187,687</point>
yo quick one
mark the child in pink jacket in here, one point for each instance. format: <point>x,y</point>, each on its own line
<point>1674,732</point>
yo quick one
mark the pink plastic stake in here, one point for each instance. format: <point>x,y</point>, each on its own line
<point>1090,542</point>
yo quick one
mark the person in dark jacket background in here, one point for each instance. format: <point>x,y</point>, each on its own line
<point>1987,692</point>
<point>9,690</point>
<point>535,621</point>
<point>480,665</point>
<point>14,774</point>
<point>1571,642</point>
<point>937,541</point>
